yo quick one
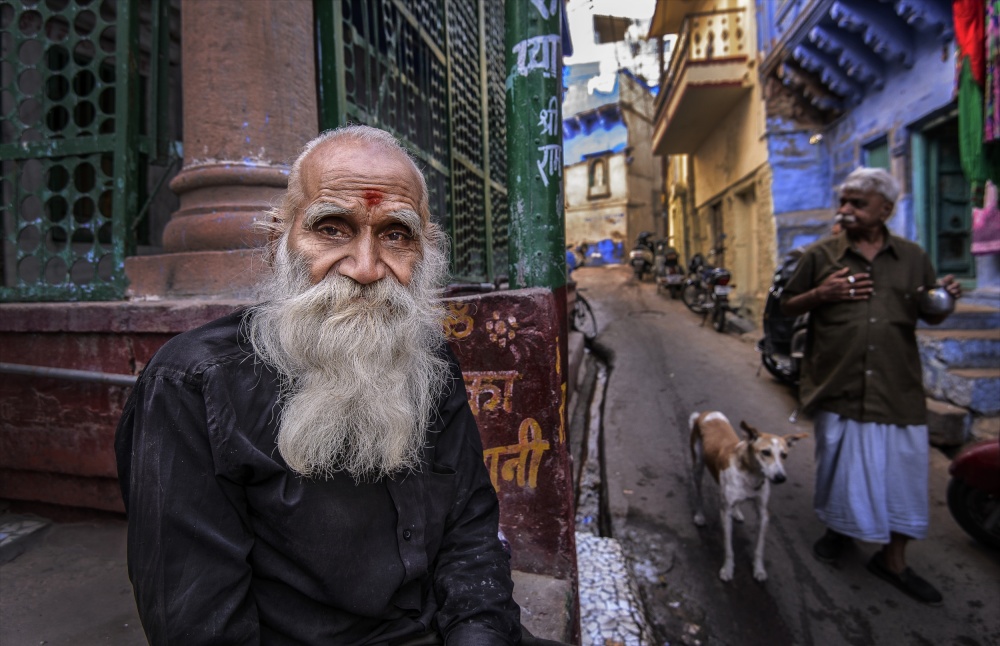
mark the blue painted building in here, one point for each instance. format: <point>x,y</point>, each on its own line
<point>864,82</point>
<point>870,82</point>
<point>611,178</point>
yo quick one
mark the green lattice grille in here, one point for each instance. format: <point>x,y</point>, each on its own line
<point>431,71</point>
<point>496,97</point>
<point>68,146</point>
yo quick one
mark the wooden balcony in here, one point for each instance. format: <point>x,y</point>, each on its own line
<point>708,74</point>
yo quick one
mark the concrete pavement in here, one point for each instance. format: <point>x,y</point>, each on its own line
<point>67,584</point>
<point>666,366</point>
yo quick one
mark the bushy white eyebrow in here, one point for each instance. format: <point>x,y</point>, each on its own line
<point>409,219</point>
<point>316,212</point>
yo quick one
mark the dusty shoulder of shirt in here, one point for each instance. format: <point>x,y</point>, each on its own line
<point>187,357</point>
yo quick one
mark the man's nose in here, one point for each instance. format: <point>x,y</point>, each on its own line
<point>364,262</point>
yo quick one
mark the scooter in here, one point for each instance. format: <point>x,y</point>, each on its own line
<point>667,269</point>
<point>783,345</point>
<point>694,293</point>
<point>974,491</point>
<point>576,256</point>
<point>641,255</point>
<point>718,295</point>
<point>707,289</point>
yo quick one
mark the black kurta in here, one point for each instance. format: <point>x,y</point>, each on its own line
<point>227,546</point>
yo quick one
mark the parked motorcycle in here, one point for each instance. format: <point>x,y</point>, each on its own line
<point>576,256</point>
<point>783,345</point>
<point>974,491</point>
<point>707,289</point>
<point>667,269</point>
<point>694,293</point>
<point>641,255</point>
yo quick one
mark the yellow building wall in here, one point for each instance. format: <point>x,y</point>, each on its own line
<point>730,175</point>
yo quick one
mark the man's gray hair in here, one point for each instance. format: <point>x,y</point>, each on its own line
<point>871,180</point>
<point>279,218</point>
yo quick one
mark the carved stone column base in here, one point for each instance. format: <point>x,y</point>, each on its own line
<point>221,204</point>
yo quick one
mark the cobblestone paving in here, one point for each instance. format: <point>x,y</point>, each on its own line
<point>610,611</point>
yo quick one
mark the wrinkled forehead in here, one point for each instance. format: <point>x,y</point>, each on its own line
<point>867,196</point>
<point>378,172</point>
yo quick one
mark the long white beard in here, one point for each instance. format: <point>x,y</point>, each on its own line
<point>360,366</point>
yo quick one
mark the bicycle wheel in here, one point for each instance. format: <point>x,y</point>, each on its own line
<point>694,297</point>
<point>582,318</point>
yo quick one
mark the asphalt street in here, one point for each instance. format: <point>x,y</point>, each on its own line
<point>665,366</point>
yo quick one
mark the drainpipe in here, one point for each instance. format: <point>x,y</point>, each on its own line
<point>534,144</point>
<point>69,374</point>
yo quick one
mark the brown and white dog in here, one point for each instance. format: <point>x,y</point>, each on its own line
<point>744,470</point>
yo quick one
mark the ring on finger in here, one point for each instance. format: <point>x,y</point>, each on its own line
<point>851,292</point>
<point>851,279</point>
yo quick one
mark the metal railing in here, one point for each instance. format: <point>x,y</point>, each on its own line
<point>82,117</point>
<point>431,72</point>
<point>704,36</point>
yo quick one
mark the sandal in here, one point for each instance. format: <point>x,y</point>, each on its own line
<point>908,581</point>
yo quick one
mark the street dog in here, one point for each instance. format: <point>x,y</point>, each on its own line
<point>744,470</point>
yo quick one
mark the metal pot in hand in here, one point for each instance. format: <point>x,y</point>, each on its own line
<point>936,301</point>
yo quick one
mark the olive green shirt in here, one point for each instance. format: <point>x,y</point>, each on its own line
<point>861,357</point>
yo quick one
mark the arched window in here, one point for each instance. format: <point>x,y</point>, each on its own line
<point>598,184</point>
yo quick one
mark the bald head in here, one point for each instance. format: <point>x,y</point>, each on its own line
<point>369,144</point>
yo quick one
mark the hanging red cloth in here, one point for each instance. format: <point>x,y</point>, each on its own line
<point>970,35</point>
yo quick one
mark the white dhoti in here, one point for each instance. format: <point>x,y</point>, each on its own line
<point>871,479</point>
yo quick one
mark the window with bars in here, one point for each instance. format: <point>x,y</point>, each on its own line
<point>432,73</point>
<point>75,151</point>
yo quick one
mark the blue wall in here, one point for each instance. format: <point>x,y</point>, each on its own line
<point>909,96</point>
<point>801,172</point>
<point>604,136</point>
<point>805,175</point>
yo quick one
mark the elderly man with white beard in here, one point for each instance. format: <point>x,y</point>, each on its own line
<point>307,470</point>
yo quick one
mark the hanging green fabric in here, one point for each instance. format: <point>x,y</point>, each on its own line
<point>979,162</point>
<point>970,126</point>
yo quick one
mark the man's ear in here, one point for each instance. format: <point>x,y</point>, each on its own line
<point>274,230</point>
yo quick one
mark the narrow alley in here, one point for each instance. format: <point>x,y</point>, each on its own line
<point>664,366</point>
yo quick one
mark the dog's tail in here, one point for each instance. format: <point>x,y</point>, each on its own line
<point>694,440</point>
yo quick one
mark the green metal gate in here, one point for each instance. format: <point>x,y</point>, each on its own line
<point>74,141</point>
<point>431,72</point>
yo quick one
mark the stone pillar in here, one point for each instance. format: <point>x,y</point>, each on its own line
<point>250,103</point>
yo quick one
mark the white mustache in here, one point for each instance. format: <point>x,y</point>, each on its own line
<point>845,219</point>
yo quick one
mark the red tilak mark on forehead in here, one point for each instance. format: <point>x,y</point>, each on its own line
<point>372,197</point>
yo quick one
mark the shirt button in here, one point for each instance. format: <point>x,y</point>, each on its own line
<point>407,534</point>
<point>871,348</point>
<point>868,373</point>
<point>871,320</point>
